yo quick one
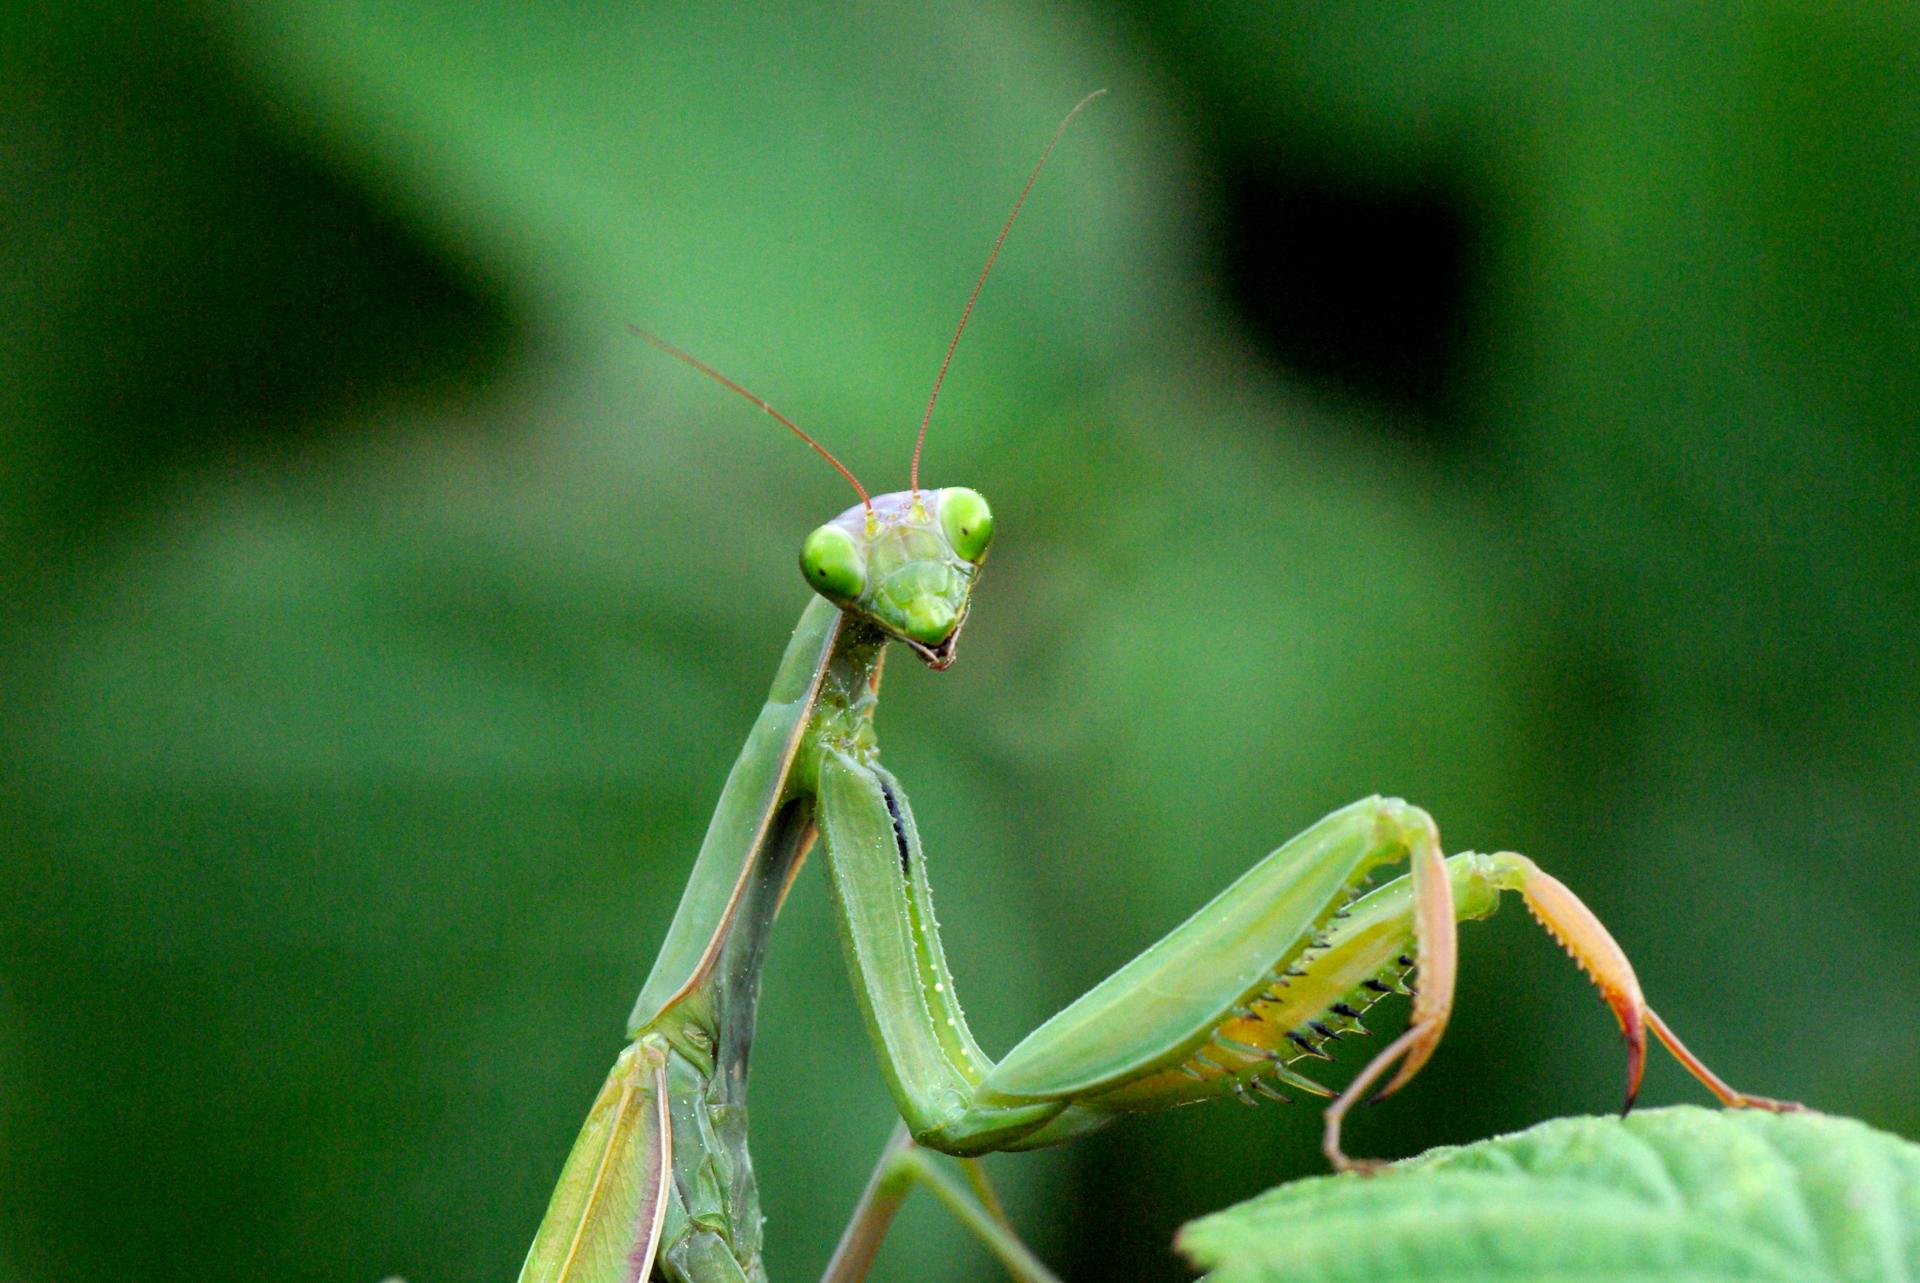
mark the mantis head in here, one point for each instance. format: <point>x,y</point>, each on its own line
<point>906,564</point>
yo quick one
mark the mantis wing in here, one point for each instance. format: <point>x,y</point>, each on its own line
<point>603,1225</point>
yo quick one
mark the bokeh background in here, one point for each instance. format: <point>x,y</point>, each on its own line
<point>1510,407</point>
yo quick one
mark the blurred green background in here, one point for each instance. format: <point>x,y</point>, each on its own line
<point>1510,407</point>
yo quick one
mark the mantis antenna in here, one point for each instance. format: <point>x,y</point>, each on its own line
<point>913,477</point>
<point>731,386</point>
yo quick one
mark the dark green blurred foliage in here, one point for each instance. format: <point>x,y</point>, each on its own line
<point>1512,411</point>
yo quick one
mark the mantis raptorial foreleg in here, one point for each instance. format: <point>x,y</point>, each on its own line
<point>1261,978</point>
<point>1286,959</point>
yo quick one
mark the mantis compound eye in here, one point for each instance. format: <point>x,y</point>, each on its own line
<point>967,522</point>
<point>833,565</point>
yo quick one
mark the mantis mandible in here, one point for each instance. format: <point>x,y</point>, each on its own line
<point>659,1183</point>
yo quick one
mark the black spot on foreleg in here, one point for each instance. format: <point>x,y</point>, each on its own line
<point>899,830</point>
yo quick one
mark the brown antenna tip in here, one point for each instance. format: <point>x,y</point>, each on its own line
<point>919,441</point>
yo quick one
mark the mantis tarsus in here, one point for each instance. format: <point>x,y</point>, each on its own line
<point>659,1182</point>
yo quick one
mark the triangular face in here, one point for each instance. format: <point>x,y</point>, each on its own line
<point>905,563</point>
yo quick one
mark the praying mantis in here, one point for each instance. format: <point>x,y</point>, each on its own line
<point>659,1183</point>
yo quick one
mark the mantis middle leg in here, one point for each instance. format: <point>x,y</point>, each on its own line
<point>901,1166</point>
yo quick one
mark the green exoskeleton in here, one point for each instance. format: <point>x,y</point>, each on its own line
<point>659,1183</point>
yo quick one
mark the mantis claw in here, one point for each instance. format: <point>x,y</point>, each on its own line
<point>1573,925</point>
<point>1636,1065</point>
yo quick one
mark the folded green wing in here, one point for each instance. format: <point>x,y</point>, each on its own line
<point>603,1225</point>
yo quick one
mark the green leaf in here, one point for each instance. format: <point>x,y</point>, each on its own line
<point>1684,1195</point>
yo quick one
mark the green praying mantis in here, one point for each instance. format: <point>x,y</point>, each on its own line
<point>659,1184</point>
